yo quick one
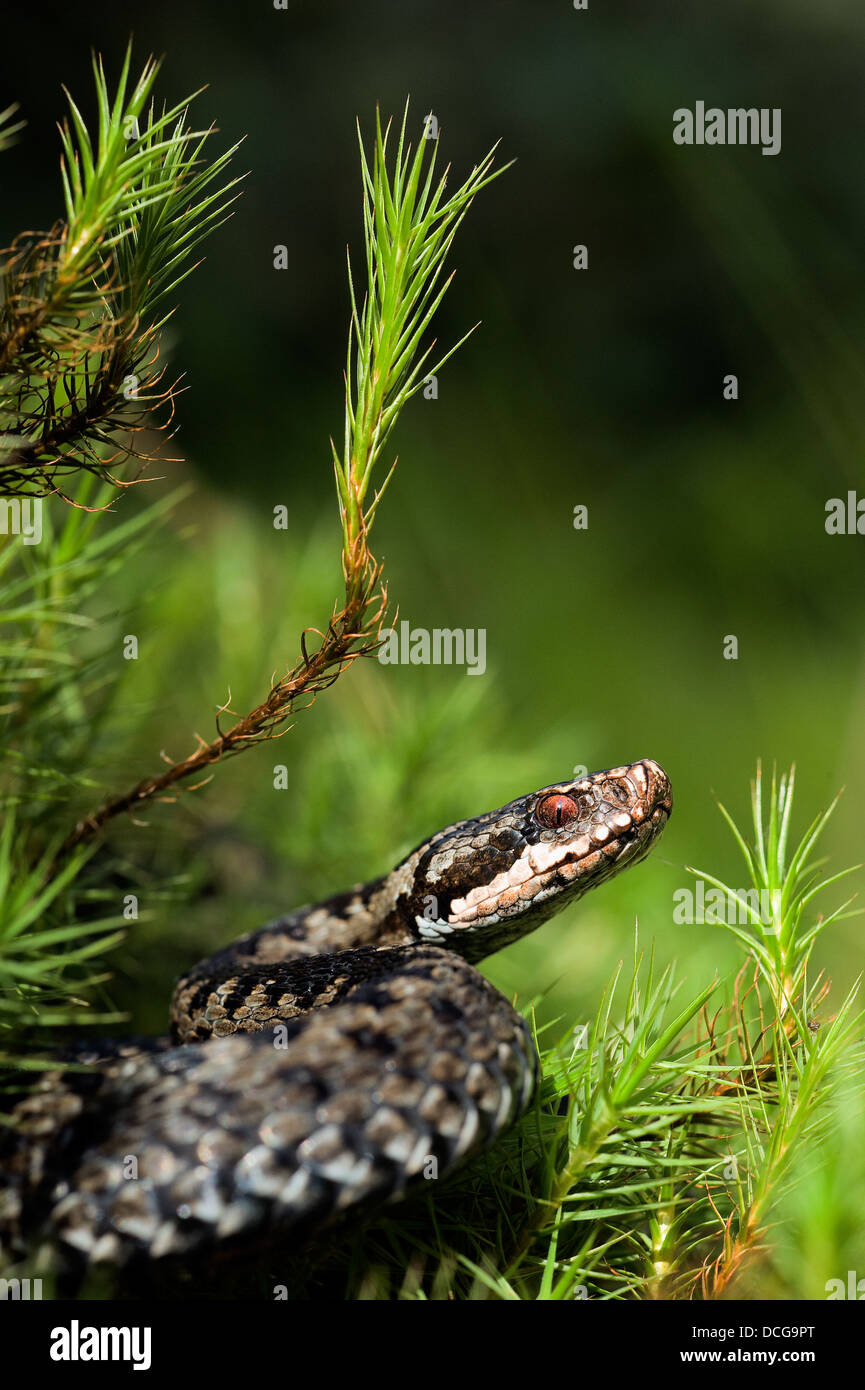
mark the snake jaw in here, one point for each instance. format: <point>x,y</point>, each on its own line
<point>498,877</point>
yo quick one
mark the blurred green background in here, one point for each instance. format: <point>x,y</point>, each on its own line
<point>601,387</point>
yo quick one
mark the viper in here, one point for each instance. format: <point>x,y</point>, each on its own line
<point>329,1062</point>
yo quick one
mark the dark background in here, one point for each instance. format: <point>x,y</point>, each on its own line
<point>603,387</point>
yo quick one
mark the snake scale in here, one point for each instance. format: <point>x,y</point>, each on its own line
<point>318,1066</point>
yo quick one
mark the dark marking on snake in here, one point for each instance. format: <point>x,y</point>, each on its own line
<point>316,1065</point>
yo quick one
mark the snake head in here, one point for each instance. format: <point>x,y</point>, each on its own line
<point>484,882</point>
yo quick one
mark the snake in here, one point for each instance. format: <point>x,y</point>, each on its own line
<point>328,1063</point>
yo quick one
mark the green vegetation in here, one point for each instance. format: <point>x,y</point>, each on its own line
<point>696,1134</point>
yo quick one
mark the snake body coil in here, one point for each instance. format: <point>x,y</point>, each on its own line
<point>317,1066</point>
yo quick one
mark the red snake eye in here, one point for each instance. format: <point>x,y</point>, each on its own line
<point>556,810</point>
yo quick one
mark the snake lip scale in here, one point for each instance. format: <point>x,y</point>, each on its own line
<point>329,1062</point>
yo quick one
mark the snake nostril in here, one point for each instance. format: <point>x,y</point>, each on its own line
<point>618,790</point>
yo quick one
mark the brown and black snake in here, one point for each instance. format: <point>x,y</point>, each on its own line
<point>325,1064</point>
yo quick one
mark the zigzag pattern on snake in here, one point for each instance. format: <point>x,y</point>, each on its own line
<point>316,1066</point>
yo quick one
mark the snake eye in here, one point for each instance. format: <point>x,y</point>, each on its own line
<point>557,810</point>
